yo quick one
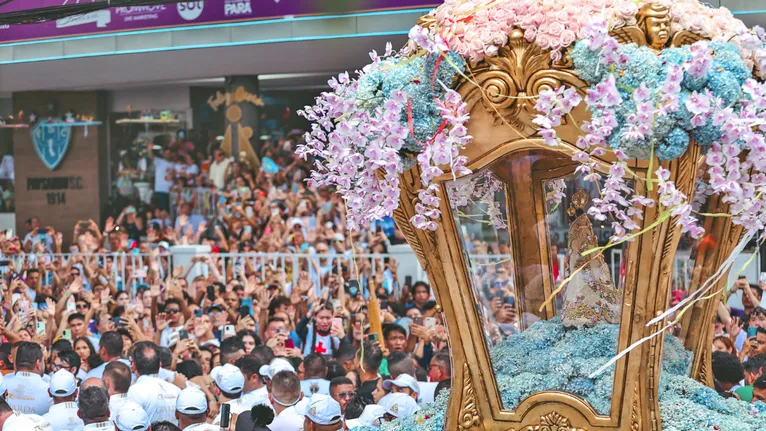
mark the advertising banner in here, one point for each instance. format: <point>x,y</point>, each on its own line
<point>129,18</point>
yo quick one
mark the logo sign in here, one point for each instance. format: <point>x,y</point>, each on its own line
<point>51,143</point>
<point>190,10</point>
<point>100,17</point>
<point>237,7</point>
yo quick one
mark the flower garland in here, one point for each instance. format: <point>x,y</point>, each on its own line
<point>477,29</point>
<point>365,130</point>
<point>644,104</point>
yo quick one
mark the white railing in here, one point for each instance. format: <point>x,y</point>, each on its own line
<point>134,267</point>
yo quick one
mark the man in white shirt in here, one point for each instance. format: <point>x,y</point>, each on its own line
<point>117,378</point>
<point>163,180</point>
<point>93,409</point>
<point>174,310</point>
<point>229,382</point>
<point>63,415</point>
<point>285,394</point>
<point>109,349</point>
<point>191,409</point>
<point>254,390</point>
<point>27,391</point>
<point>218,169</point>
<point>131,417</point>
<point>314,370</point>
<point>156,396</point>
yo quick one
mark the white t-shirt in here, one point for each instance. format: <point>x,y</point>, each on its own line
<point>101,426</point>
<point>28,393</point>
<point>237,406</point>
<point>18,422</point>
<point>156,396</point>
<point>325,344</point>
<point>116,402</point>
<point>169,336</point>
<point>161,168</point>
<point>202,427</point>
<point>98,372</point>
<point>288,420</point>
<point>218,173</point>
<point>427,391</point>
<point>63,417</point>
<point>315,386</point>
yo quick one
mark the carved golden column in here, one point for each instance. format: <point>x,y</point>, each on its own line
<point>697,328</point>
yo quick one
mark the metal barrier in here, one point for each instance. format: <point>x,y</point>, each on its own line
<point>134,267</point>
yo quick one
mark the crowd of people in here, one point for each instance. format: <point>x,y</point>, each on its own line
<point>739,346</point>
<point>248,345</point>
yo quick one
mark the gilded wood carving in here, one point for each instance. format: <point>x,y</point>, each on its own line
<point>501,110</point>
<point>469,414</point>
<point>551,422</point>
<point>653,30</point>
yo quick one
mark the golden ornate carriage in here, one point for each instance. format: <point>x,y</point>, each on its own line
<point>506,146</point>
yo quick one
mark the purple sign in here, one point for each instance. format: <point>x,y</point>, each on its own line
<point>128,18</point>
<point>20,5</point>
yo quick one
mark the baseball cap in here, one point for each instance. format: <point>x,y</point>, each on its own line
<point>213,307</point>
<point>399,405</point>
<point>63,383</point>
<point>323,410</point>
<point>371,417</point>
<point>131,417</point>
<point>164,244</point>
<point>191,401</point>
<point>229,378</point>
<point>403,381</point>
<point>17,421</point>
<point>277,365</point>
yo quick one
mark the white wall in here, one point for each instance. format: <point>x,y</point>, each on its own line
<point>8,221</point>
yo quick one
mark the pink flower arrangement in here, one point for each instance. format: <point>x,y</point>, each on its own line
<point>478,28</point>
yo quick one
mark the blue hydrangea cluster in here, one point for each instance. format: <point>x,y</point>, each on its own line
<point>416,78</point>
<point>671,134</point>
<point>548,356</point>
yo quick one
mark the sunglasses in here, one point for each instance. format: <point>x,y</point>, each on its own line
<point>344,395</point>
<point>172,310</point>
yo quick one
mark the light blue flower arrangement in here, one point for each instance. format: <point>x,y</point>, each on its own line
<point>548,356</point>
<point>671,134</point>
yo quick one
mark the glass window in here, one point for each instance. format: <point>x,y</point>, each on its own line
<point>525,229</point>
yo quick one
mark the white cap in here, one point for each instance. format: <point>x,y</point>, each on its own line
<point>277,365</point>
<point>370,417</point>
<point>17,421</point>
<point>403,381</point>
<point>164,244</point>
<point>323,410</point>
<point>191,401</point>
<point>228,378</point>
<point>63,384</point>
<point>399,405</point>
<point>131,417</point>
